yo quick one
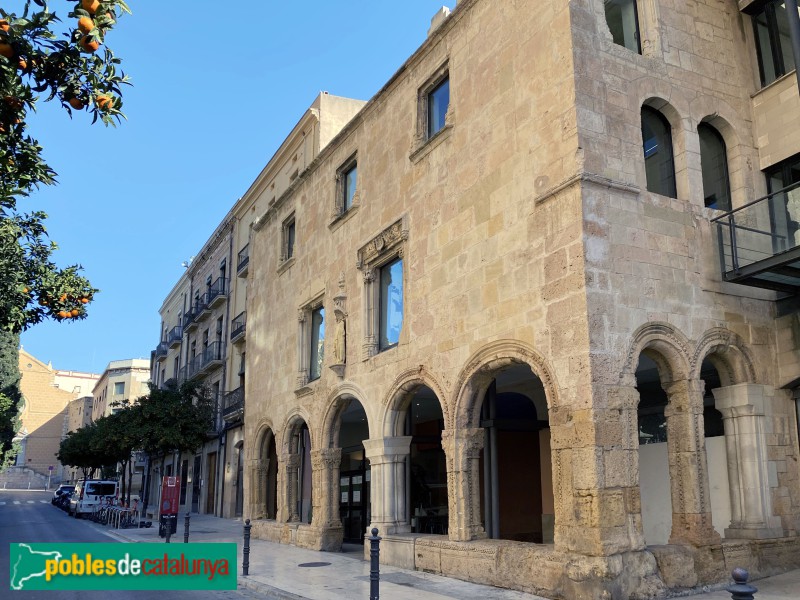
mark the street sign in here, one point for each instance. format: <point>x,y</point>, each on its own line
<point>50,468</point>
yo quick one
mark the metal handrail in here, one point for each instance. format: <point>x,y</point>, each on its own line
<point>788,188</point>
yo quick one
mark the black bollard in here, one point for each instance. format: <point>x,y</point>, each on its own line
<point>169,531</point>
<point>186,529</point>
<point>246,549</point>
<point>374,565</point>
<point>741,590</point>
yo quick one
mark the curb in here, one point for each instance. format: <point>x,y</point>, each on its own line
<point>272,593</point>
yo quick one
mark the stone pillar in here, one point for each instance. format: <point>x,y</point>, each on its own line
<point>325,497</point>
<point>742,408</point>
<point>291,463</point>
<point>387,461</point>
<point>462,448</point>
<point>691,501</point>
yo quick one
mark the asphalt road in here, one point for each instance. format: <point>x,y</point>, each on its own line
<point>28,516</point>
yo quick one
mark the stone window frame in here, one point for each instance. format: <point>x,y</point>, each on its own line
<point>637,33</point>
<point>287,258</point>
<point>304,381</point>
<point>423,143</point>
<point>648,17</point>
<point>388,245</point>
<point>340,208</point>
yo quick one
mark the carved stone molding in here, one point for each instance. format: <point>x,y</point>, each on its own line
<point>384,242</point>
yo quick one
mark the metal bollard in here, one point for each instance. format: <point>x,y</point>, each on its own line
<point>741,590</point>
<point>186,529</point>
<point>374,565</point>
<point>169,531</point>
<point>246,549</point>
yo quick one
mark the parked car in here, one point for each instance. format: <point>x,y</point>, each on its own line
<point>62,489</point>
<point>63,500</point>
<point>91,493</point>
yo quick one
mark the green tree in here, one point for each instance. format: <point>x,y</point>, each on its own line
<point>10,395</point>
<point>79,449</point>
<point>75,68</point>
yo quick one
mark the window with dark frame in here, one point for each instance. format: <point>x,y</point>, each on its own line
<point>623,21</point>
<point>391,304</point>
<point>714,166</point>
<point>349,181</point>
<point>438,101</point>
<point>658,158</point>
<point>317,343</point>
<point>289,233</point>
<point>773,41</point>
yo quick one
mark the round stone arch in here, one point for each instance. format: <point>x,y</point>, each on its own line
<point>336,403</point>
<point>665,345</point>
<point>479,371</point>
<point>729,355</point>
<point>293,420</point>
<point>263,429</point>
<point>400,394</point>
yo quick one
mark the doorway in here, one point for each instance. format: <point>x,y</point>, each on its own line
<point>212,483</point>
<point>196,483</point>
<point>354,490</point>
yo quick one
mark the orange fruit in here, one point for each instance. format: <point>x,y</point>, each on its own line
<point>89,46</point>
<point>4,25</point>
<point>62,314</point>
<point>24,290</point>
<point>84,300</point>
<point>105,102</point>
<point>22,64</point>
<point>90,6</point>
<point>74,312</point>
<point>77,104</point>
<point>85,24</point>
<point>6,50</point>
<point>63,297</point>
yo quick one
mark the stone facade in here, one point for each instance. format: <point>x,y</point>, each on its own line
<point>503,267</point>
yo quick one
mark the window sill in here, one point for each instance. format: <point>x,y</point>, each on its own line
<point>285,265</point>
<point>306,389</point>
<point>772,84</point>
<point>429,144</point>
<point>339,220</point>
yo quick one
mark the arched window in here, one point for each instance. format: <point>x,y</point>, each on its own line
<point>658,163</point>
<point>714,164</point>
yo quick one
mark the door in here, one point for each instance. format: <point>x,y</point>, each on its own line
<point>196,484</point>
<point>240,482</point>
<point>354,492</point>
<point>211,488</point>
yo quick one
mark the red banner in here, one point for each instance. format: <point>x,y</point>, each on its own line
<point>170,495</point>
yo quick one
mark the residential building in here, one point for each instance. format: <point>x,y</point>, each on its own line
<point>123,381</point>
<point>79,414</point>
<point>47,394</point>
<point>203,331</point>
<point>522,311</point>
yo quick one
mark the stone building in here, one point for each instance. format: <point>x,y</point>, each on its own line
<point>204,319</point>
<point>122,381</point>
<point>44,415</point>
<point>513,332</point>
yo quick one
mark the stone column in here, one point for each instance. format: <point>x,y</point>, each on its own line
<point>387,461</point>
<point>462,448</point>
<point>742,408</point>
<point>691,501</point>
<point>325,497</point>
<point>291,463</point>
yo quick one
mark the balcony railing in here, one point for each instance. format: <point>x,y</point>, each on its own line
<point>759,243</point>
<point>161,351</point>
<point>242,260</point>
<point>200,306</point>
<point>174,336</point>
<point>190,318</point>
<point>233,405</point>
<point>212,356</point>
<point>216,293</point>
<point>238,327</point>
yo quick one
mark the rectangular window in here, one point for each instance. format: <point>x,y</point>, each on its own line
<point>438,102</point>
<point>349,187</point>
<point>391,303</point>
<point>623,23</point>
<point>288,238</point>
<point>317,346</point>
<point>773,42</point>
<point>119,388</point>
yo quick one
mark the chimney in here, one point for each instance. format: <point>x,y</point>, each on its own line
<point>438,19</point>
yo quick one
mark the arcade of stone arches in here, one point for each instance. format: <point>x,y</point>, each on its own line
<point>692,422</point>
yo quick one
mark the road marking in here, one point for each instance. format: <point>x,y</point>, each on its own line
<point>2,503</point>
<point>43,502</point>
<point>31,502</point>
<point>17,502</point>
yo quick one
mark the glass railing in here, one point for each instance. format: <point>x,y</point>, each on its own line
<point>759,230</point>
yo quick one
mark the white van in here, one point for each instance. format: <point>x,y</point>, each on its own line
<point>91,493</point>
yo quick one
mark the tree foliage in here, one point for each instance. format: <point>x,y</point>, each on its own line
<point>10,395</point>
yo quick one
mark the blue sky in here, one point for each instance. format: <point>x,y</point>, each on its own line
<point>216,88</point>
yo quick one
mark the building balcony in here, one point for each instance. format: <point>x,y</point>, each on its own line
<point>175,336</point>
<point>217,293</point>
<point>759,243</point>
<point>238,327</point>
<point>242,261</point>
<point>233,405</point>
<point>200,308</point>
<point>190,320</point>
<point>212,357</point>
<point>161,351</point>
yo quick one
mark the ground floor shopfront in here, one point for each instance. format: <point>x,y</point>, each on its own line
<point>683,468</point>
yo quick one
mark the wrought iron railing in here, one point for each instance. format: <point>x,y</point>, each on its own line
<point>218,289</point>
<point>243,258</point>
<point>161,350</point>
<point>233,403</point>
<point>238,326</point>
<point>175,334</point>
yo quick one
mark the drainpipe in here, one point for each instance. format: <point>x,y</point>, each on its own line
<point>794,33</point>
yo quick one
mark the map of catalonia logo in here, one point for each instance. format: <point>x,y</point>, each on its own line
<point>122,566</point>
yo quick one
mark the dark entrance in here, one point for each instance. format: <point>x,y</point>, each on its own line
<point>354,490</point>
<point>196,484</point>
<point>239,481</point>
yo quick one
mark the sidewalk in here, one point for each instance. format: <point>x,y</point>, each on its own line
<point>286,572</point>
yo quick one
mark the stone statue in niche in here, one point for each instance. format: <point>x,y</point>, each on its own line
<point>340,337</point>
